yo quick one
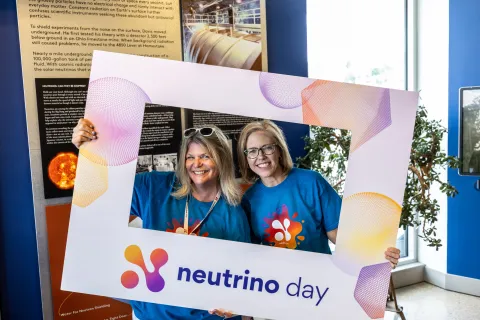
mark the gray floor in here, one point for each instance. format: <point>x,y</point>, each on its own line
<point>424,301</point>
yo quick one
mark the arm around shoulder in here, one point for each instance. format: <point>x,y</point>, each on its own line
<point>332,235</point>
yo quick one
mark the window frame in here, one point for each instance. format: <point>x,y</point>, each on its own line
<point>410,83</point>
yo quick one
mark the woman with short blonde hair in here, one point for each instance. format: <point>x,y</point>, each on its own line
<point>287,207</point>
<point>279,140</point>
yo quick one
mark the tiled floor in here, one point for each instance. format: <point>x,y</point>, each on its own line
<point>424,301</point>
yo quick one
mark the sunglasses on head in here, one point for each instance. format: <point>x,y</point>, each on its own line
<point>206,131</point>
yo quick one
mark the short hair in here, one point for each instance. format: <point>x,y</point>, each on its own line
<point>276,134</point>
<point>219,149</point>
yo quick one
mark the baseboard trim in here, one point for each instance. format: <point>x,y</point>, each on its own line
<point>435,277</point>
<point>461,284</point>
<point>408,274</point>
<point>452,282</point>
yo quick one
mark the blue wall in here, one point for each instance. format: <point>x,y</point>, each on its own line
<point>19,278</point>
<point>287,37</point>
<point>287,54</point>
<point>464,209</point>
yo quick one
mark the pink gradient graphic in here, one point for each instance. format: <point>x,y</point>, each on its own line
<point>154,280</point>
<point>372,288</point>
<point>364,110</point>
<point>115,106</point>
<point>283,91</point>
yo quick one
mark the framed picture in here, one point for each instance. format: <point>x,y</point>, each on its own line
<point>469,143</point>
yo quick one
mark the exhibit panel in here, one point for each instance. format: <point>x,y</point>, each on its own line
<point>56,41</point>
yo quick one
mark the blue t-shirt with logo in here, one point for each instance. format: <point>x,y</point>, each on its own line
<point>295,214</point>
<point>159,210</point>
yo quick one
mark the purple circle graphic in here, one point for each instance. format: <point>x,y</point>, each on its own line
<point>283,91</point>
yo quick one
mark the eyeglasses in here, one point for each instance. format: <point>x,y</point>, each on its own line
<point>206,131</point>
<point>267,149</point>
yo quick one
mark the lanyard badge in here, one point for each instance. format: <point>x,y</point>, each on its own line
<point>185,219</point>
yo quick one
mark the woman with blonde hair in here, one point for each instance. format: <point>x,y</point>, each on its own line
<point>287,207</point>
<point>201,198</point>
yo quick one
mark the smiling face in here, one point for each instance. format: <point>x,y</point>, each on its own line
<point>200,166</point>
<point>265,166</point>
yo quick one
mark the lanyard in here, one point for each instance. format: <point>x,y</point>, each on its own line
<point>185,220</point>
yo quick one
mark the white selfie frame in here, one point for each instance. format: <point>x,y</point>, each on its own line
<point>352,283</point>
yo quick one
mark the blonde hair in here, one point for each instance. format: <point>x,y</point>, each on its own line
<point>218,148</point>
<point>276,134</point>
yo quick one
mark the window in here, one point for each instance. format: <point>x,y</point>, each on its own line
<point>362,42</point>
<point>355,41</point>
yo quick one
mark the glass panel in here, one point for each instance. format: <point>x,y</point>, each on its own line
<point>359,42</point>
<point>402,242</point>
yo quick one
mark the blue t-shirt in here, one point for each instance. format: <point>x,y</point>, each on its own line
<point>296,214</point>
<point>159,210</point>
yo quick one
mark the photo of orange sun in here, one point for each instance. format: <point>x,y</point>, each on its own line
<point>61,170</point>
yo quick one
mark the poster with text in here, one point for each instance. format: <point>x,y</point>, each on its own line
<point>70,305</point>
<point>57,39</point>
<point>60,102</point>
<point>161,136</point>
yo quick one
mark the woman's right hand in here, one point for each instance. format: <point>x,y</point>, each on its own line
<point>83,132</point>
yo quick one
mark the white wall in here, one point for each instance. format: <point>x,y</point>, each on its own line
<point>433,31</point>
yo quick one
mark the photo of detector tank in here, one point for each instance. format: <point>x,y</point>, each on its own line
<point>224,33</point>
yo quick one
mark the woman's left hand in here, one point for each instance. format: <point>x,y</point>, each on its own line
<point>392,255</point>
<point>221,313</point>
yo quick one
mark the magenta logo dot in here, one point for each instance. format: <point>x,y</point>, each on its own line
<point>154,280</point>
